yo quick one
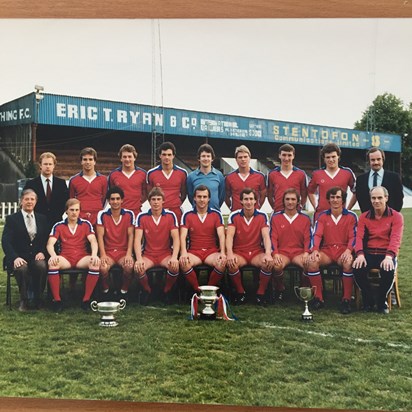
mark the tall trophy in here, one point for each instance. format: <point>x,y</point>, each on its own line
<point>208,296</point>
<point>107,311</point>
<point>306,294</point>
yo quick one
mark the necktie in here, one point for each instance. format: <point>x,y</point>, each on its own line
<point>375,179</point>
<point>31,230</point>
<point>48,190</point>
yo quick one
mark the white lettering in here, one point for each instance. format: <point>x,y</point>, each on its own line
<point>107,114</point>
<point>158,119</point>
<point>92,113</point>
<point>121,116</point>
<point>185,122</point>
<point>135,116</point>
<point>72,111</point>
<point>61,110</point>
<point>173,121</point>
<point>147,118</point>
<point>324,134</point>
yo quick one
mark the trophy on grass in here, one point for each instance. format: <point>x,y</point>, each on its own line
<point>208,296</point>
<point>107,311</point>
<point>306,294</point>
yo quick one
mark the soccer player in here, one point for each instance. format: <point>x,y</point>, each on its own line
<point>73,233</point>
<point>203,230</point>
<point>247,230</point>
<point>130,178</point>
<point>290,234</point>
<point>89,186</point>
<point>329,176</point>
<point>207,175</point>
<point>244,176</point>
<point>115,232</point>
<point>377,245</point>
<point>157,243</point>
<point>170,178</point>
<point>284,177</point>
<point>333,242</point>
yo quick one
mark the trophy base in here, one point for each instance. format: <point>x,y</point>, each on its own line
<point>307,318</point>
<point>207,316</point>
<point>108,324</point>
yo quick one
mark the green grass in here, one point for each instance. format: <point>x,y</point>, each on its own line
<point>268,357</point>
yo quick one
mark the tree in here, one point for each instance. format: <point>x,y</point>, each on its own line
<point>388,114</point>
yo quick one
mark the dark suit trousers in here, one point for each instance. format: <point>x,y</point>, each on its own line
<point>31,279</point>
<point>385,282</point>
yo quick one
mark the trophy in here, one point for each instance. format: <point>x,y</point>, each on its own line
<point>306,294</point>
<point>107,311</point>
<point>208,295</point>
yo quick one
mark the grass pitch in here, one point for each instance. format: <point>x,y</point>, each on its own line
<point>267,358</point>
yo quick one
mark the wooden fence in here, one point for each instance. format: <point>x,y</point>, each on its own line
<point>7,208</point>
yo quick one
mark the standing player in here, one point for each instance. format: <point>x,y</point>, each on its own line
<point>74,234</point>
<point>244,176</point>
<point>203,231</point>
<point>156,243</point>
<point>89,186</point>
<point>247,230</point>
<point>207,175</point>
<point>329,176</point>
<point>170,178</point>
<point>333,242</point>
<point>115,231</point>
<point>290,233</point>
<point>284,177</point>
<point>130,178</point>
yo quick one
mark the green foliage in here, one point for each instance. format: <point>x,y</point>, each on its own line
<point>30,170</point>
<point>267,358</point>
<point>388,114</point>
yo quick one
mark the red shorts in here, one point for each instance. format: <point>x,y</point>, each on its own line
<point>157,259</point>
<point>333,252</point>
<point>116,254</point>
<point>73,258</point>
<point>248,256</point>
<point>202,254</point>
<point>290,254</point>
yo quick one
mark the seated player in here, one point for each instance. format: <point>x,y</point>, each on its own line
<point>115,232</point>
<point>247,231</point>
<point>202,239</point>
<point>377,246</point>
<point>290,233</point>
<point>74,234</point>
<point>156,243</point>
<point>333,242</point>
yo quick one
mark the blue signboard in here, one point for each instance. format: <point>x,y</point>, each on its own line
<point>101,114</point>
<point>19,111</point>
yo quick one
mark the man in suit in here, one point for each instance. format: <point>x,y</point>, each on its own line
<point>24,243</point>
<point>377,176</point>
<point>52,192</point>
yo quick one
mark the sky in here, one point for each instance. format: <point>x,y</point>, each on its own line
<point>315,71</point>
